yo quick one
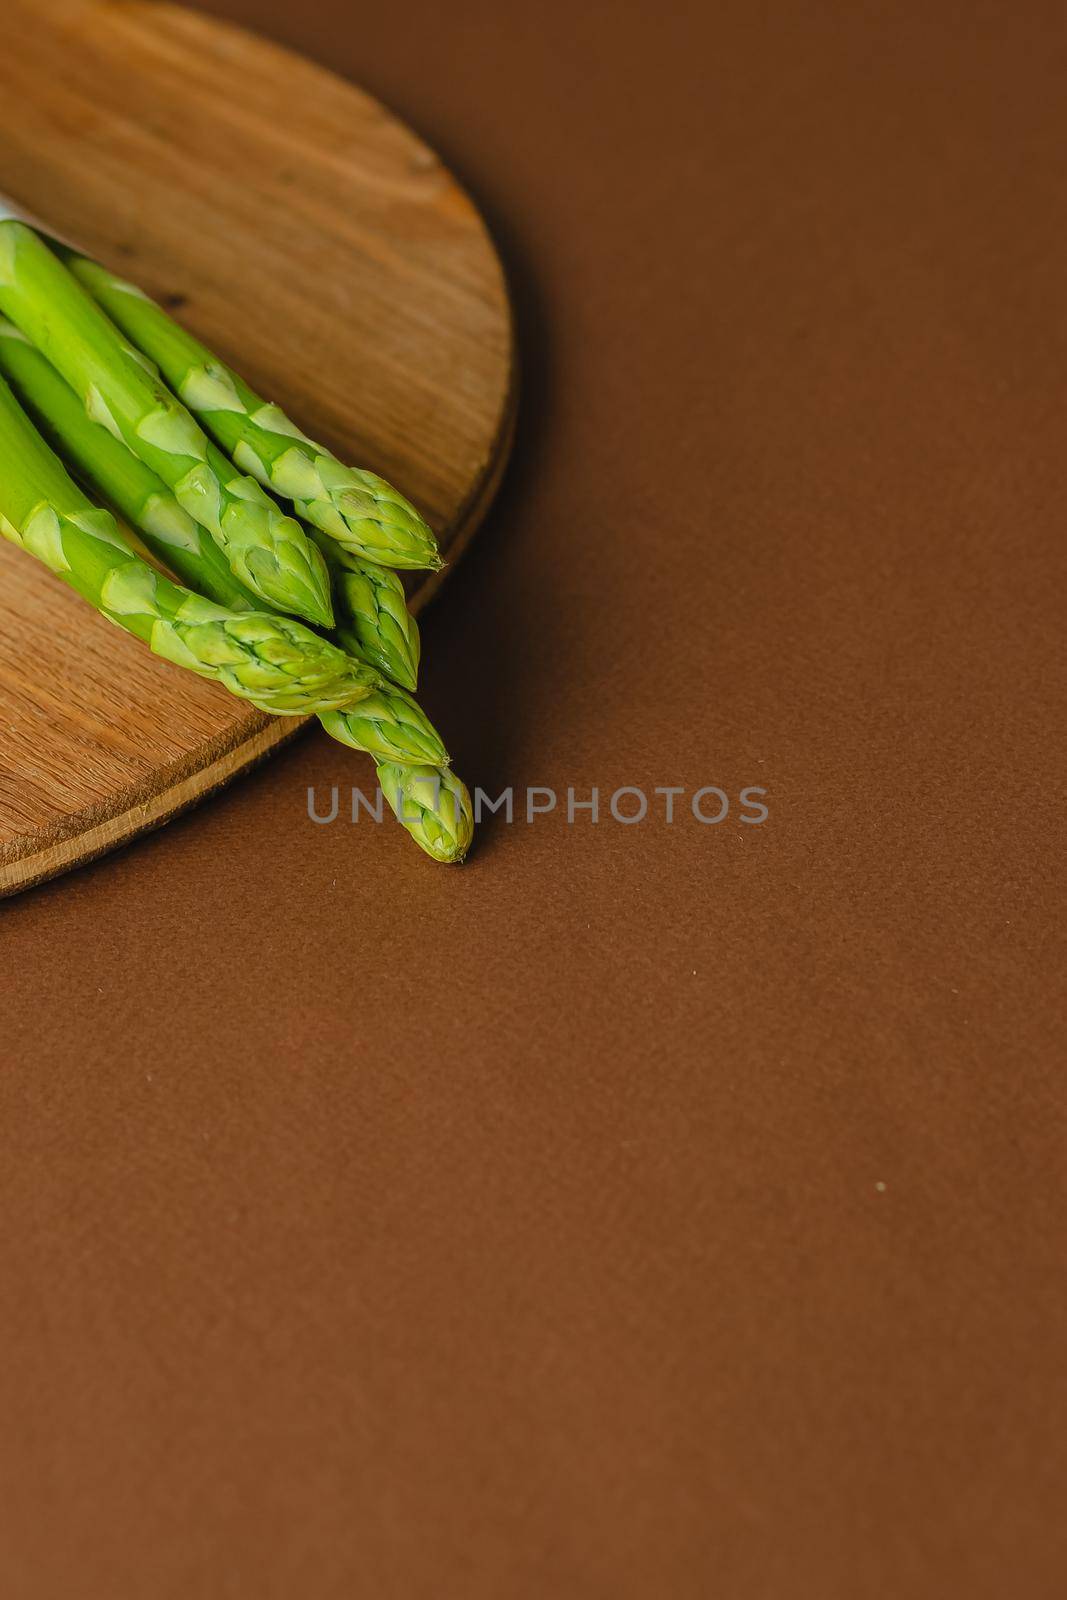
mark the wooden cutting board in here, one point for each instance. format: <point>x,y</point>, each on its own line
<point>320,248</point>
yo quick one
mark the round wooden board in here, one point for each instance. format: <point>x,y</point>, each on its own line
<point>321,248</point>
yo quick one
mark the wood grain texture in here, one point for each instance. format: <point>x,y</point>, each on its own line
<point>319,247</point>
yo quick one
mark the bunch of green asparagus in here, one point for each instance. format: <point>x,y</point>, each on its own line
<point>192,466</point>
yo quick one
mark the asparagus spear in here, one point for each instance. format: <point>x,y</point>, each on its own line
<point>267,551</point>
<point>434,806</point>
<point>389,725</point>
<point>270,660</point>
<point>374,621</point>
<point>358,509</point>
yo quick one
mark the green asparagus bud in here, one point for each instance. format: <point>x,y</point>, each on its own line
<point>434,806</point>
<point>388,725</point>
<point>373,620</point>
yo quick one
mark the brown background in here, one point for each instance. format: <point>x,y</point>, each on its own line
<point>640,1211</point>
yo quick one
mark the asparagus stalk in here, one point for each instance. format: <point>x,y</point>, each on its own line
<point>272,661</point>
<point>266,550</point>
<point>359,510</point>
